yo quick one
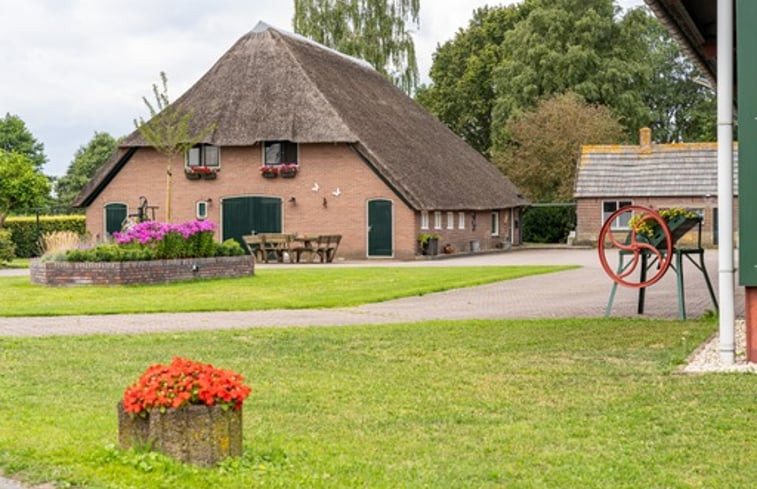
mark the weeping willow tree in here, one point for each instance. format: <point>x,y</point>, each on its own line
<point>373,30</point>
<point>168,131</point>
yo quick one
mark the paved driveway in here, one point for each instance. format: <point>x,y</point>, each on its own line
<point>581,292</point>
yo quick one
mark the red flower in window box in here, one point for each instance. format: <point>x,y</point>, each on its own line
<point>269,171</point>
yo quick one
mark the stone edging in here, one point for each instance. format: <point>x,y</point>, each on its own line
<point>138,272</point>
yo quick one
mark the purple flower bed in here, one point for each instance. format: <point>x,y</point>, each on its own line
<point>153,231</point>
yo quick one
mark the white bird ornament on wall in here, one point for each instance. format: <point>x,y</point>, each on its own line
<point>337,192</point>
<point>315,187</point>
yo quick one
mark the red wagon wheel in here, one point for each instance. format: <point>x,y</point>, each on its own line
<point>638,250</point>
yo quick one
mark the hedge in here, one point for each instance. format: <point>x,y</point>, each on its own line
<point>25,235</point>
<point>548,224</point>
<point>6,247</point>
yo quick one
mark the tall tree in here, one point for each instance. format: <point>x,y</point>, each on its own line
<point>374,30</point>
<point>462,93</point>
<point>575,45</point>
<point>16,137</point>
<point>87,160</point>
<point>169,132</point>
<point>683,107</point>
<point>540,157</point>
<point>21,184</point>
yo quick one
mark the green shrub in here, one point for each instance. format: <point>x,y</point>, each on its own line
<point>548,224</point>
<point>25,232</point>
<point>230,247</point>
<point>6,246</point>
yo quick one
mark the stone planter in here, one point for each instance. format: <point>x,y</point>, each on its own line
<point>199,435</point>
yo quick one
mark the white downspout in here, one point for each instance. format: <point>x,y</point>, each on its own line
<point>726,270</point>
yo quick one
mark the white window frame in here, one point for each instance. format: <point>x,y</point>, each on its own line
<point>202,148</point>
<point>437,219</point>
<point>199,215</point>
<point>424,219</point>
<point>617,224</point>
<point>461,220</point>
<point>450,220</point>
<point>495,223</point>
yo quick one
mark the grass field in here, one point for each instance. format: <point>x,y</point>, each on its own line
<point>300,288</point>
<point>526,404</point>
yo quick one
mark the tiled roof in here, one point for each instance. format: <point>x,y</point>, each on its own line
<point>681,169</point>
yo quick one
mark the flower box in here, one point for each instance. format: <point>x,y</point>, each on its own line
<point>269,171</point>
<point>288,170</point>
<point>198,172</point>
<point>188,410</point>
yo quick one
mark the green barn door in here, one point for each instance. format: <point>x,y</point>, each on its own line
<point>380,238</point>
<point>250,215</point>
<point>115,214</point>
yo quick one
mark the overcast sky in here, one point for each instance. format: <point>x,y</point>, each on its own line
<point>73,67</point>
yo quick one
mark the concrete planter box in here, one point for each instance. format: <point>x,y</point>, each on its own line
<point>138,272</point>
<point>200,435</point>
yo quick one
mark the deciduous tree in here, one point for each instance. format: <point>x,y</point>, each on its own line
<point>16,137</point>
<point>87,160</point>
<point>373,30</point>
<point>168,131</point>
<point>541,155</point>
<point>21,184</point>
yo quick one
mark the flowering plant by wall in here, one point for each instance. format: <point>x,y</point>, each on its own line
<point>193,239</point>
<point>185,382</point>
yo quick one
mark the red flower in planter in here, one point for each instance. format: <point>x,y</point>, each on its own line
<point>269,170</point>
<point>185,382</point>
<point>200,169</point>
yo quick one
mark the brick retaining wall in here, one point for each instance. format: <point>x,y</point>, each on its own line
<point>138,272</point>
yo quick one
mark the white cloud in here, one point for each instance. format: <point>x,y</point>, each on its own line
<point>73,67</point>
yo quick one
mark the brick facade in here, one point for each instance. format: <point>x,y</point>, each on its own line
<point>307,208</point>
<point>589,216</point>
<point>138,272</point>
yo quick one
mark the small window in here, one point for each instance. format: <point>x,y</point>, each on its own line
<point>610,206</point>
<point>201,210</point>
<point>204,155</point>
<point>424,219</point>
<point>450,220</point>
<point>461,220</point>
<point>437,219</point>
<point>495,223</point>
<point>280,152</point>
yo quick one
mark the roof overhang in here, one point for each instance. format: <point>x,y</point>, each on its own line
<point>693,23</point>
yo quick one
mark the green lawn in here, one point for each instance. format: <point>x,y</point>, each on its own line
<point>268,289</point>
<point>483,404</point>
<point>16,263</point>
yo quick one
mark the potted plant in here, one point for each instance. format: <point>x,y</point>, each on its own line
<point>188,410</point>
<point>429,243</point>
<point>269,171</point>
<point>288,170</point>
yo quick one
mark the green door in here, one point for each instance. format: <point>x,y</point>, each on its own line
<point>115,214</point>
<point>250,215</point>
<point>380,238</point>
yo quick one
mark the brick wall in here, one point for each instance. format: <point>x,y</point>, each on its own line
<point>477,228</point>
<point>304,210</point>
<point>138,272</point>
<point>589,216</point>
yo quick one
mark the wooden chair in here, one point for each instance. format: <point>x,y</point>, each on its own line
<point>254,244</point>
<point>275,244</point>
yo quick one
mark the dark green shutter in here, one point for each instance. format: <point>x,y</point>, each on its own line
<point>250,215</point>
<point>380,237</point>
<point>115,214</point>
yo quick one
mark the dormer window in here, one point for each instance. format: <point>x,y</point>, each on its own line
<point>204,155</point>
<point>280,152</point>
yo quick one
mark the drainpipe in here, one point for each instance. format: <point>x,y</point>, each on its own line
<point>726,271</point>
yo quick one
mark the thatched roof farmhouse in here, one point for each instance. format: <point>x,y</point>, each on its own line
<point>275,97</point>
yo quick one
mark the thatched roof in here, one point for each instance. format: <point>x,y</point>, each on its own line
<point>274,85</point>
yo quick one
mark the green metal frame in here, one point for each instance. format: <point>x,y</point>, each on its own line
<point>678,228</point>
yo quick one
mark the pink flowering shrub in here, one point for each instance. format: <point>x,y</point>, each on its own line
<point>157,240</point>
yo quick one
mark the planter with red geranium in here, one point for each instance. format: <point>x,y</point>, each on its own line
<point>187,410</point>
<point>269,171</point>
<point>198,172</point>
<point>288,170</point>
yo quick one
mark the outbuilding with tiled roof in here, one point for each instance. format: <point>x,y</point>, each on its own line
<point>652,175</point>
